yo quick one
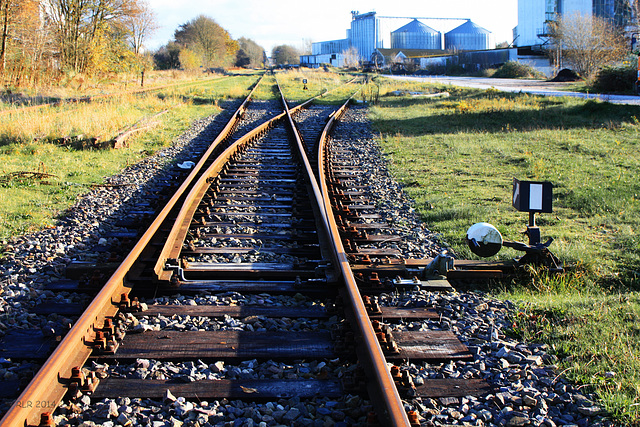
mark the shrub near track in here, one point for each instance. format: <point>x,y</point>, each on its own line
<point>457,157</point>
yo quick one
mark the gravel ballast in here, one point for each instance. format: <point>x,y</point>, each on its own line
<point>527,387</point>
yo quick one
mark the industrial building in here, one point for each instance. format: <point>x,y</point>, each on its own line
<point>468,36</point>
<point>534,16</point>
<point>416,35</point>
<point>369,32</point>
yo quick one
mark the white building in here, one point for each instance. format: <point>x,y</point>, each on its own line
<point>534,16</point>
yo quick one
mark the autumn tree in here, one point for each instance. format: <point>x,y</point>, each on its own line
<point>21,39</point>
<point>285,55</point>
<point>587,42</point>
<point>250,54</point>
<point>140,25</point>
<point>81,25</point>
<point>8,9</point>
<point>167,57</point>
<point>189,60</point>
<point>212,43</point>
<point>109,52</point>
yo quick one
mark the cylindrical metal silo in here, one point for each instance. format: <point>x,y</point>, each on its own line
<point>468,36</point>
<point>416,35</point>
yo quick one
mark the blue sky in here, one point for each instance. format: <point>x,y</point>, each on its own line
<point>274,22</point>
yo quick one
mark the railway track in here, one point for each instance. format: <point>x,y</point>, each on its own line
<point>262,279</point>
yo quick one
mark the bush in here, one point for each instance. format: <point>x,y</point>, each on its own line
<point>515,70</point>
<point>615,79</point>
<point>487,72</point>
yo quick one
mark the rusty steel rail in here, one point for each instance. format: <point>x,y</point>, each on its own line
<point>395,413</point>
<point>51,382</point>
<point>173,244</point>
<point>48,386</point>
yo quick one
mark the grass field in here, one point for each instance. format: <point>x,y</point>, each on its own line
<point>457,156</point>
<point>30,139</point>
<point>29,142</point>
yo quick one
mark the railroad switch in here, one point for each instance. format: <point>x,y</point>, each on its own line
<point>528,196</point>
<point>440,265</point>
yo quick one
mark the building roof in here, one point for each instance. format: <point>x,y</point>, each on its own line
<point>469,28</point>
<point>415,26</point>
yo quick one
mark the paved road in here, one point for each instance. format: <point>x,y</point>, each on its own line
<point>537,87</point>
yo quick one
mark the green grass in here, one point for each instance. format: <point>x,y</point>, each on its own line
<point>329,85</point>
<point>26,145</point>
<point>457,157</point>
<point>28,138</point>
<point>596,338</point>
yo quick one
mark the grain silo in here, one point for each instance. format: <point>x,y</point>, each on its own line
<point>468,36</point>
<point>416,35</point>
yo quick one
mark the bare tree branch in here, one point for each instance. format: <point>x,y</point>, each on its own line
<point>588,42</point>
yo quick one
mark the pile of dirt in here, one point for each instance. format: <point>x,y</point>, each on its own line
<point>566,75</point>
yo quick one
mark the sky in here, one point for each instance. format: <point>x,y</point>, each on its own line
<point>295,22</point>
